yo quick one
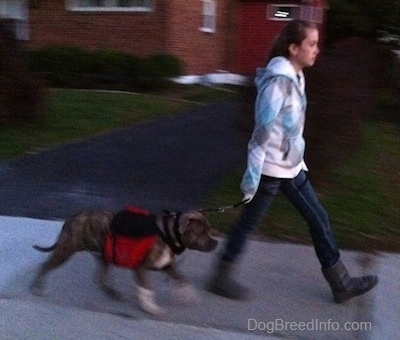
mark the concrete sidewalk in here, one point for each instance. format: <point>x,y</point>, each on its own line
<point>168,164</point>
<point>290,300</point>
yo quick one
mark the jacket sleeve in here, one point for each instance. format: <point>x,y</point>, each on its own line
<point>269,102</point>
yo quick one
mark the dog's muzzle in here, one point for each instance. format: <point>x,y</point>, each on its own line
<point>212,244</point>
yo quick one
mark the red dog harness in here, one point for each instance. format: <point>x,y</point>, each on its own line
<point>132,236</point>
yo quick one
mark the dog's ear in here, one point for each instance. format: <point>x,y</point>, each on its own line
<point>188,218</point>
<point>185,220</point>
<point>182,228</point>
<point>184,223</point>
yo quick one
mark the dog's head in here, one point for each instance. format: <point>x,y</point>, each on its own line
<point>194,230</point>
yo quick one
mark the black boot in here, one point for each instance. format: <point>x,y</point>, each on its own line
<point>345,287</point>
<point>223,284</point>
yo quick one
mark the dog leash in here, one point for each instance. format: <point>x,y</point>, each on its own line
<point>224,208</point>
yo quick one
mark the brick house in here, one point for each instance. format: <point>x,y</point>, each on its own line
<point>207,35</point>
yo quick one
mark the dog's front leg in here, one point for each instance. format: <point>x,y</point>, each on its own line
<point>102,278</point>
<point>173,273</point>
<point>184,292</point>
<point>145,294</point>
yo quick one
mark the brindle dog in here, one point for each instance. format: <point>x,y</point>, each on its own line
<point>87,230</point>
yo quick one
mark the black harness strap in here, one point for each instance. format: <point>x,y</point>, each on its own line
<point>114,248</point>
<point>132,224</point>
<point>173,240</point>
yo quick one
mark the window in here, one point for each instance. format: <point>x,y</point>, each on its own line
<point>283,12</point>
<point>17,11</point>
<point>208,16</point>
<point>289,12</point>
<point>110,5</point>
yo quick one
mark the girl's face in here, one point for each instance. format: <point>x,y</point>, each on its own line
<point>304,55</point>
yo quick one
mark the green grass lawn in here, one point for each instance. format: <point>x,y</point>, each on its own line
<point>73,114</point>
<point>362,198</point>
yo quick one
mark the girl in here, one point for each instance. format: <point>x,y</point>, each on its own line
<point>275,163</point>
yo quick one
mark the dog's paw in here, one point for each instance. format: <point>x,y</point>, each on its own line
<point>36,289</point>
<point>147,302</point>
<point>185,294</point>
<point>152,309</point>
<point>112,293</point>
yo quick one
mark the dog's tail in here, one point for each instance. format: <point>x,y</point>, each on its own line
<point>45,249</point>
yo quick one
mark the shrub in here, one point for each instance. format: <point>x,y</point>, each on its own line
<point>75,67</point>
<point>115,64</point>
<point>62,65</point>
<point>158,69</point>
<point>163,66</point>
<point>63,59</point>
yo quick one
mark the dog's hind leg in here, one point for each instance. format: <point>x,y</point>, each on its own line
<point>56,259</point>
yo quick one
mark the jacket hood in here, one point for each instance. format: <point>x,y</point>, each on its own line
<point>278,66</point>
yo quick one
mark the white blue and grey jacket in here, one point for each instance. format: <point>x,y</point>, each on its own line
<point>276,148</point>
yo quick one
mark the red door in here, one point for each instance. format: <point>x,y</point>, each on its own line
<point>255,35</point>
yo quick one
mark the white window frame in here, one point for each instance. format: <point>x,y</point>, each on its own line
<point>107,6</point>
<point>304,12</point>
<point>272,9</point>
<point>209,16</point>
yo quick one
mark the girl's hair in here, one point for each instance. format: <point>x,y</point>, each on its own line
<point>293,33</point>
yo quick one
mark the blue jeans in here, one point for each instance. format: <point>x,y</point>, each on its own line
<point>301,194</point>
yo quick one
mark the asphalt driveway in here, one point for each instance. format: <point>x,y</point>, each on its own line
<point>166,164</point>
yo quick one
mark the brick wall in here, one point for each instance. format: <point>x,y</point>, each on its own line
<point>131,32</point>
<point>173,27</point>
<point>202,51</point>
